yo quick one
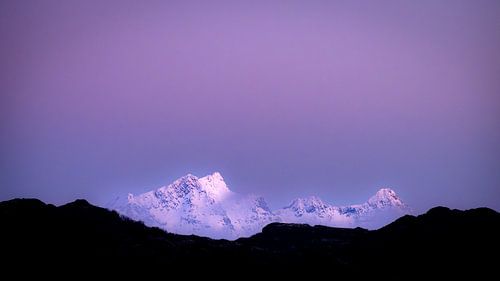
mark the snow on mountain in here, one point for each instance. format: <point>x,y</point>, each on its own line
<point>207,207</point>
<point>379,210</point>
<point>187,206</point>
<point>385,199</point>
<point>215,186</point>
<point>312,210</point>
<point>202,206</point>
<point>249,214</point>
<point>382,208</point>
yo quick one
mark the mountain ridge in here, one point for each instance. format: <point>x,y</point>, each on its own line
<point>206,206</point>
<point>86,238</point>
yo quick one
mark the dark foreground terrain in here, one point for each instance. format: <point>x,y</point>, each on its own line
<point>82,238</point>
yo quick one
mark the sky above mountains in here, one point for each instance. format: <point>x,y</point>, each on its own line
<point>286,99</point>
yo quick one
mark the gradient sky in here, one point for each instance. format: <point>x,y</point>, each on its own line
<point>284,98</point>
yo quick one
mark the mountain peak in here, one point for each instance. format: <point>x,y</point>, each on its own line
<point>386,190</point>
<point>187,178</point>
<point>215,186</point>
<point>185,184</point>
<point>385,197</point>
<point>308,204</point>
<point>216,175</point>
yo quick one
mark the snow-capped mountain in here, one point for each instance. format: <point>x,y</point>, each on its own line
<point>385,199</point>
<point>202,206</point>
<point>312,210</point>
<point>380,209</point>
<point>207,207</point>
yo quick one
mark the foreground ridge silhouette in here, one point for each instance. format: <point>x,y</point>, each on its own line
<point>80,236</point>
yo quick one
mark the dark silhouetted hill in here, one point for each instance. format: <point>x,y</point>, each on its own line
<point>80,237</point>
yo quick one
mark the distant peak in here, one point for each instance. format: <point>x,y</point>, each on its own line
<point>185,184</point>
<point>305,202</point>
<point>187,180</point>
<point>216,175</point>
<point>188,177</point>
<point>386,197</point>
<point>313,199</point>
<point>215,185</point>
<point>386,190</point>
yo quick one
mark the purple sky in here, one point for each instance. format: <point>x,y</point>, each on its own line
<point>285,99</point>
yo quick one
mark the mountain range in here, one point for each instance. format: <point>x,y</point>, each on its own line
<point>207,207</point>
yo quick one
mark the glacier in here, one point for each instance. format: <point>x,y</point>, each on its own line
<point>207,207</point>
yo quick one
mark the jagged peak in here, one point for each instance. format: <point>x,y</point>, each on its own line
<point>215,176</point>
<point>305,202</point>
<point>386,191</point>
<point>215,186</point>
<point>186,178</point>
<point>212,185</point>
<point>386,197</point>
<point>182,186</point>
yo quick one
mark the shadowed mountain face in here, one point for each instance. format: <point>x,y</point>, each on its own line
<point>80,236</point>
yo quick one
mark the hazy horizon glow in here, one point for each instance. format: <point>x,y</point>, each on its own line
<point>285,98</point>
